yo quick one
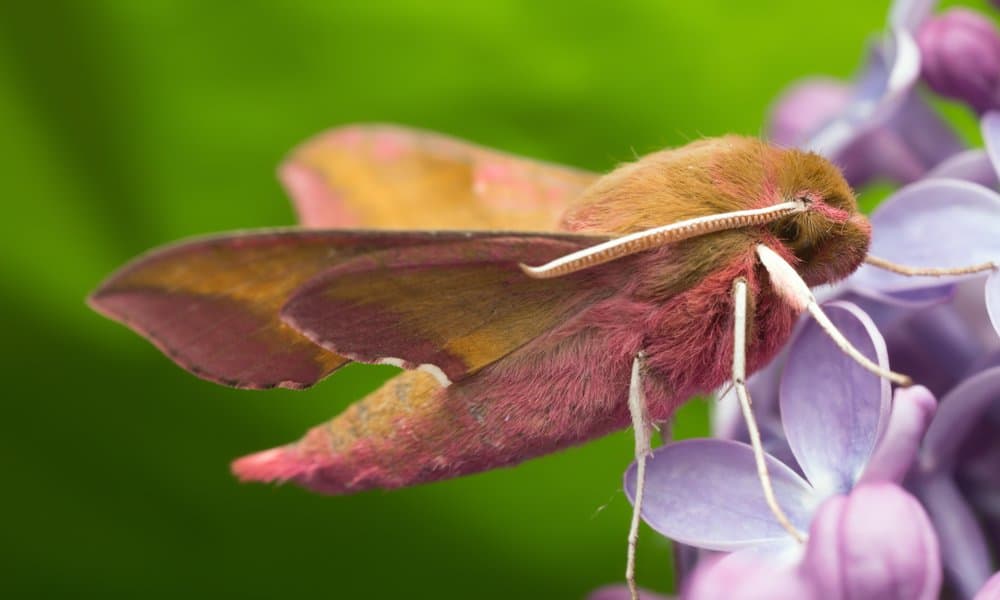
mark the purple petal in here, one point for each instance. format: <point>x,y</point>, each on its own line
<point>881,152</point>
<point>746,577</point>
<point>990,125</point>
<point>990,591</point>
<point>929,137</point>
<point>727,420</point>
<point>686,560</point>
<point>875,543</point>
<point>959,412</point>
<point>993,299</point>
<point>912,410</point>
<point>963,548</point>
<point>888,131</point>
<point>805,107</point>
<point>891,71</point>
<point>932,223</point>
<point>903,58</point>
<point>940,345</point>
<point>705,493</point>
<point>909,14</point>
<point>915,298</point>
<point>621,592</point>
<point>969,165</point>
<point>833,409</point>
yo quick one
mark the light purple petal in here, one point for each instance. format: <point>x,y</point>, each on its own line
<point>745,577</point>
<point>903,56</point>
<point>892,69</point>
<point>875,543</point>
<point>881,152</point>
<point>993,299</point>
<point>990,591</point>
<point>686,560</point>
<point>915,298</point>
<point>990,125</point>
<point>805,107</point>
<point>705,493</point>
<point>970,302</point>
<point>833,409</point>
<point>939,346</point>
<point>932,223</point>
<point>912,410</point>
<point>909,14</point>
<point>959,412</point>
<point>969,165</point>
<point>931,139</point>
<point>963,548</point>
<point>727,420</point>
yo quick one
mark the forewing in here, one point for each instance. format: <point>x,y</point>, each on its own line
<point>212,305</point>
<point>384,176</point>
<point>455,307</point>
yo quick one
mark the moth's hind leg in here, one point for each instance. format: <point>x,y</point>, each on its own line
<point>642,426</point>
<point>740,321</point>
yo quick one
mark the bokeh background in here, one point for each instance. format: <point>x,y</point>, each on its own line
<point>124,125</point>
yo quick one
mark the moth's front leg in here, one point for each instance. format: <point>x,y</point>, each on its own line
<point>793,290</point>
<point>739,384</point>
<point>643,429</point>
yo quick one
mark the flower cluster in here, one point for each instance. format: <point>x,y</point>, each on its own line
<point>899,494</point>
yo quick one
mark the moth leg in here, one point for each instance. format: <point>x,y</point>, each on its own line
<point>739,384</point>
<point>881,263</point>
<point>643,428</point>
<point>794,290</point>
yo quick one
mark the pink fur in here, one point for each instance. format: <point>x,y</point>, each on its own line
<point>562,389</point>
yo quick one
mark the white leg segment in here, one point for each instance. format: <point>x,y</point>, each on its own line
<point>739,383</point>
<point>793,290</point>
<point>643,428</point>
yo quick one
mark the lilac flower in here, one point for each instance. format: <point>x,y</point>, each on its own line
<point>863,545</point>
<point>951,349</point>
<point>960,451</point>
<point>705,493</point>
<point>944,335</point>
<point>937,222</point>
<point>960,49</point>
<point>885,128</point>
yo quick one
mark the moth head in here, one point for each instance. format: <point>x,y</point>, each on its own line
<point>830,238</point>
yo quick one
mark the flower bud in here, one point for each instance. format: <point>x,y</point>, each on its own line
<point>960,52</point>
<point>877,542</point>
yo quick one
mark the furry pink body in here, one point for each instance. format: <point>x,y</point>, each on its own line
<point>564,388</point>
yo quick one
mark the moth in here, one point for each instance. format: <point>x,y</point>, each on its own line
<point>531,306</point>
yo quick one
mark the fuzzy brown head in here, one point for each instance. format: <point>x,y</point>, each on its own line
<point>831,238</point>
<point>726,174</point>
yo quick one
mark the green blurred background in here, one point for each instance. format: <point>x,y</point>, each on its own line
<point>129,124</point>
